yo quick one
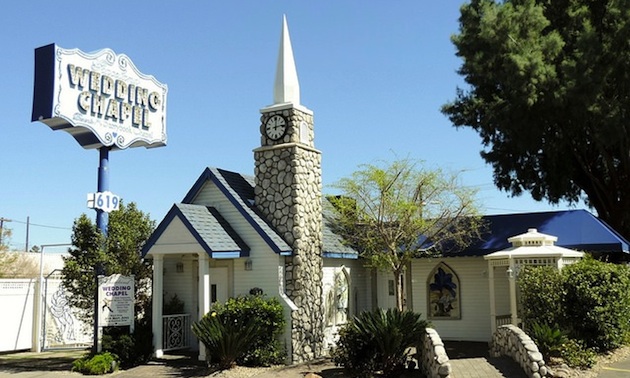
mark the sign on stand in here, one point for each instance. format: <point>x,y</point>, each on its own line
<point>116,301</point>
<point>105,103</point>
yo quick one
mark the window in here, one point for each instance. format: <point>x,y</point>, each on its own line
<point>213,293</point>
<point>337,298</point>
<point>443,293</point>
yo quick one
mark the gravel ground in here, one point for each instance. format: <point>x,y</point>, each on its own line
<point>322,367</point>
<point>617,355</point>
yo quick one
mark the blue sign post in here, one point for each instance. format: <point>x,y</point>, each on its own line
<point>102,221</point>
<point>102,216</point>
<point>104,102</point>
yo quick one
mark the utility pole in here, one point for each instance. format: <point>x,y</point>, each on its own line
<point>2,220</point>
<point>28,223</point>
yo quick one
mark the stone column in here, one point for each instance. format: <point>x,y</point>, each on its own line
<point>289,193</point>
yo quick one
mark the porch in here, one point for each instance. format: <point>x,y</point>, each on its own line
<point>529,249</point>
<point>196,281</point>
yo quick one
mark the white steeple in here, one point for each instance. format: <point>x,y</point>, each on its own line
<point>286,87</point>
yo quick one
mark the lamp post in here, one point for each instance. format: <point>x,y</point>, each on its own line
<point>38,311</point>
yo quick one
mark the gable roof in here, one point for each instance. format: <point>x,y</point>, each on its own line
<point>576,229</point>
<point>333,243</point>
<point>239,190</point>
<point>208,228</point>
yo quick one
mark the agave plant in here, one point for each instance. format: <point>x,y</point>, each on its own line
<point>379,341</point>
<point>549,339</point>
<point>225,341</point>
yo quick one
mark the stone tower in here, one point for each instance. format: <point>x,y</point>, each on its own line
<point>289,193</point>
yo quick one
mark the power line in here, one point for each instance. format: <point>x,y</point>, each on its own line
<point>43,225</point>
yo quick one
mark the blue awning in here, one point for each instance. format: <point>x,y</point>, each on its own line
<point>576,229</point>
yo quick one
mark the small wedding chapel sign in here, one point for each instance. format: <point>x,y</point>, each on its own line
<point>116,300</point>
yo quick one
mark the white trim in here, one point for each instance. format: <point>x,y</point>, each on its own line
<point>286,106</point>
<point>204,289</point>
<point>284,295</point>
<point>286,145</point>
<point>157,296</point>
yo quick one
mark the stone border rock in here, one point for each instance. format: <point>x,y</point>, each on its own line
<point>511,341</point>
<point>433,361</point>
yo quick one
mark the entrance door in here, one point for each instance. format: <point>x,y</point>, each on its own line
<point>218,284</point>
<point>386,290</point>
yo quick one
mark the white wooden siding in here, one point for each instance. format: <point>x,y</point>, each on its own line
<point>264,273</point>
<point>180,283</point>
<point>501,290</point>
<point>176,239</point>
<point>384,297</point>
<point>474,324</point>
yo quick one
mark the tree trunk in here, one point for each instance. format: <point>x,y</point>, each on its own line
<point>399,290</point>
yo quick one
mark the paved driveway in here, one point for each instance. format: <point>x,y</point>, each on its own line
<point>469,360</point>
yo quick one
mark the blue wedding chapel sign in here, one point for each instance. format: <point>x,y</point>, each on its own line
<point>100,98</point>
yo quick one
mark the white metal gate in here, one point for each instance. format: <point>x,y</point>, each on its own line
<point>61,326</point>
<point>176,329</point>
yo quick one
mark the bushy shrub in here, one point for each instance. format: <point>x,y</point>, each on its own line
<point>102,363</point>
<point>591,298</point>
<point>355,352</point>
<point>577,355</point>
<point>267,313</point>
<point>131,349</point>
<point>173,306</point>
<point>378,341</point>
<point>549,339</point>
<point>597,302</point>
<point>229,323</point>
<point>541,290</point>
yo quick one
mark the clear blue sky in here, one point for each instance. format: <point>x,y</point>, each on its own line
<point>374,73</point>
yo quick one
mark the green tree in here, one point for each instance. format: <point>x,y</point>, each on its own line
<point>395,212</point>
<point>548,92</point>
<point>128,229</point>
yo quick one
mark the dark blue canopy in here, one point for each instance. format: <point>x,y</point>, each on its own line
<point>575,229</point>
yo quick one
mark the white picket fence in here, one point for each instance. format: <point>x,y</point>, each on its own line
<point>23,326</point>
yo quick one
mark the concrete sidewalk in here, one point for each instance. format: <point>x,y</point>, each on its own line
<point>59,364</point>
<point>619,369</point>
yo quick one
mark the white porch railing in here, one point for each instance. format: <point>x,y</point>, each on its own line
<point>503,320</point>
<point>506,319</point>
<point>176,331</point>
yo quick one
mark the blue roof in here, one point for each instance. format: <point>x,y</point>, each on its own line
<point>575,229</point>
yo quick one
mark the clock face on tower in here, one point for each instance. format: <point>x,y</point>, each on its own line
<point>275,127</point>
